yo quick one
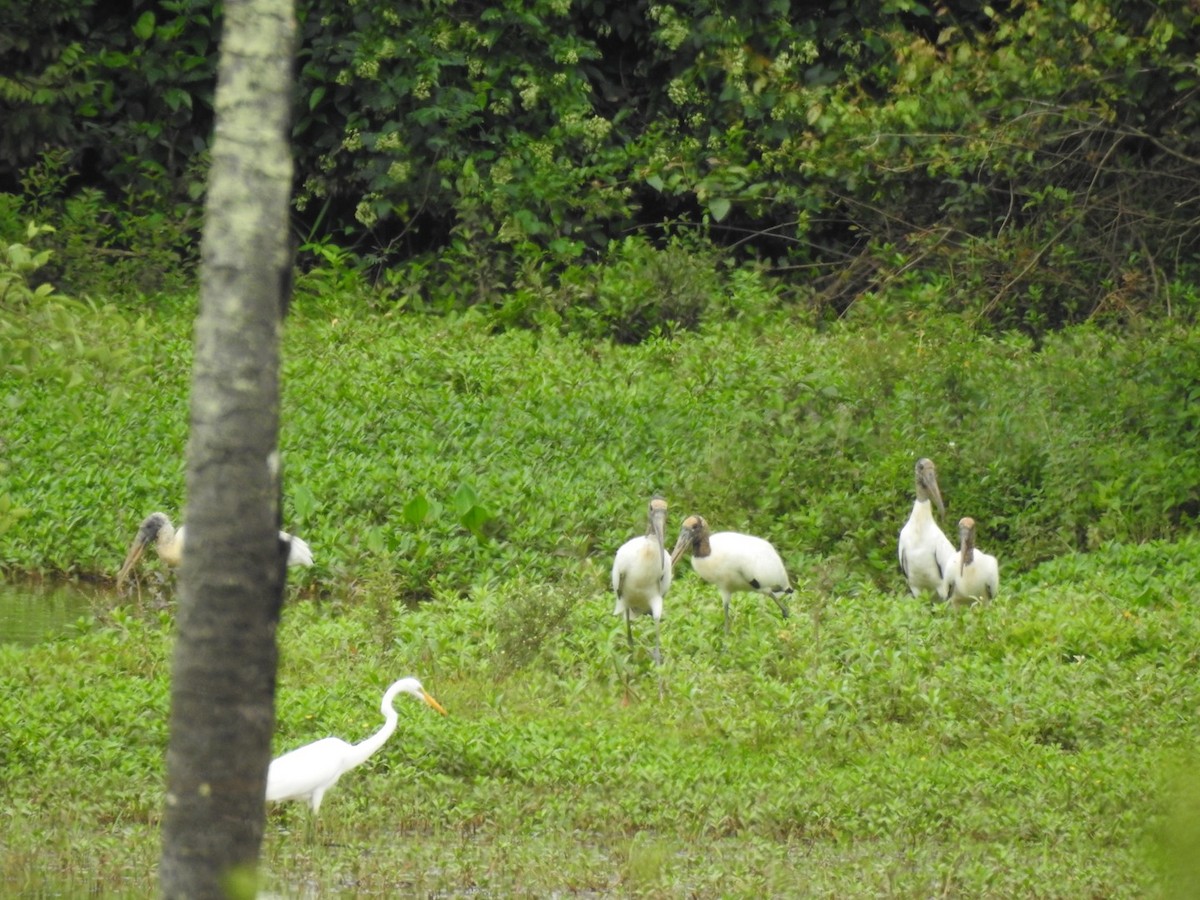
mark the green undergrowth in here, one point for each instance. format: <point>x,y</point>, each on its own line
<point>429,457</point>
<point>464,490</point>
<point>868,745</point>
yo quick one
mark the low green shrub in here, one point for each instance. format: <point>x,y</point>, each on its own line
<point>887,744</point>
<point>432,455</point>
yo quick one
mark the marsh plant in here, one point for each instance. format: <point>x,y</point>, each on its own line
<point>464,489</point>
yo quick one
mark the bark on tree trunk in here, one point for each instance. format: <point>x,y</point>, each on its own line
<point>232,574</point>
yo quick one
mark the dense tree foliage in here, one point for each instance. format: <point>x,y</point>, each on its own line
<point>1036,160</point>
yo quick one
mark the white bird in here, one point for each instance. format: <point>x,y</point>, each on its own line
<point>641,574</point>
<point>307,772</point>
<point>971,575</point>
<point>168,541</point>
<point>923,549</point>
<point>734,562</point>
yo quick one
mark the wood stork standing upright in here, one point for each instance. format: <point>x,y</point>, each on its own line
<point>734,562</point>
<point>923,549</point>
<point>641,574</point>
<point>971,575</point>
<point>307,772</point>
<point>156,528</point>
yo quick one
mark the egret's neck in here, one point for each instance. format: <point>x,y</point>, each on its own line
<point>363,750</point>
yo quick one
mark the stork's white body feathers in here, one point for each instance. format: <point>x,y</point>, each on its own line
<point>640,578</point>
<point>923,550</point>
<point>734,562</point>
<point>168,542</point>
<point>971,575</point>
<point>299,553</point>
<point>641,575</point>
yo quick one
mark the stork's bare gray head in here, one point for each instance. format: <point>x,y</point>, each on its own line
<point>691,533</point>
<point>927,483</point>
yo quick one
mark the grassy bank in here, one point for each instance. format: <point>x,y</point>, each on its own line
<point>867,746</point>
<point>429,455</point>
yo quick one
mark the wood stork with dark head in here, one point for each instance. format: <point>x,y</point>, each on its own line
<point>971,574</point>
<point>923,549</point>
<point>641,574</point>
<point>734,562</point>
<point>156,528</point>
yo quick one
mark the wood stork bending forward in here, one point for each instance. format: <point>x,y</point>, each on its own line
<point>156,528</point>
<point>971,574</point>
<point>733,562</point>
<point>641,574</point>
<point>923,549</point>
<point>307,772</point>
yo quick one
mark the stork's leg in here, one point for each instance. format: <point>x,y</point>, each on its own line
<point>628,629</point>
<point>725,600</point>
<point>657,644</point>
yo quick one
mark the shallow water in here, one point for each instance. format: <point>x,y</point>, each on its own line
<point>35,611</point>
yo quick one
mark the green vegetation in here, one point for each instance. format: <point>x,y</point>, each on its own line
<point>555,257</point>
<point>1031,155</point>
<point>866,747</point>
<point>429,455</point>
<point>464,485</point>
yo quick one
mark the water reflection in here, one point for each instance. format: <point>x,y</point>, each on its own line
<point>31,612</point>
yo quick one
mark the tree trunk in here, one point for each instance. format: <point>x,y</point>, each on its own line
<point>232,574</point>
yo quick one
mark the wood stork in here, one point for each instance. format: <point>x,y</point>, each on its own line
<point>641,574</point>
<point>307,772</point>
<point>156,528</point>
<point>734,562</point>
<point>971,574</point>
<point>923,549</point>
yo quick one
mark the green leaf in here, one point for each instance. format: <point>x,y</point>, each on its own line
<point>304,501</point>
<point>465,498</point>
<point>374,540</point>
<point>474,519</point>
<point>175,98</point>
<point>719,208</point>
<point>144,28</point>
<point>416,510</point>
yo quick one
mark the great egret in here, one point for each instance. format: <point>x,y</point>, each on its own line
<point>734,562</point>
<point>307,772</point>
<point>971,574</point>
<point>168,541</point>
<point>923,549</point>
<point>641,574</point>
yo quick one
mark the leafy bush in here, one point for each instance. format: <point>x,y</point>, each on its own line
<point>1029,157</point>
<point>143,243</point>
<point>426,456</point>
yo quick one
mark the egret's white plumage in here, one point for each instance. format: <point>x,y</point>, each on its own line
<point>734,562</point>
<point>156,528</point>
<point>971,574</point>
<point>641,574</point>
<point>307,772</point>
<point>923,549</point>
